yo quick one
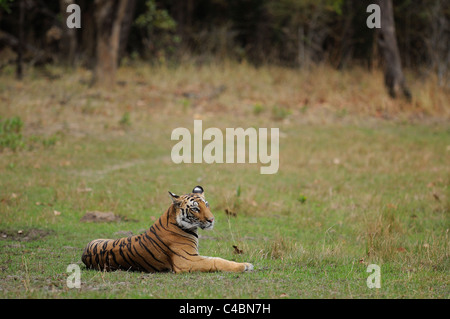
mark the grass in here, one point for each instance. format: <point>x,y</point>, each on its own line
<point>363,180</point>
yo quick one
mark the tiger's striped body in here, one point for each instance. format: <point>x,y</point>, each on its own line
<point>170,244</point>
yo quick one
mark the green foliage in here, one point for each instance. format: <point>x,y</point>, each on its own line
<point>302,24</point>
<point>258,108</point>
<point>10,133</point>
<point>294,33</point>
<point>49,141</point>
<point>336,5</point>
<point>280,113</point>
<point>185,103</point>
<point>301,198</point>
<point>5,5</point>
<point>158,30</point>
<point>125,120</point>
<point>11,136</point>
<point>155,18</point>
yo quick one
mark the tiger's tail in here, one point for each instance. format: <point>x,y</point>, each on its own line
<point>95,254</point>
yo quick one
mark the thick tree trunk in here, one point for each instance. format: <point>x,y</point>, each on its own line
<point>393,74</point>
<point>109,15</point>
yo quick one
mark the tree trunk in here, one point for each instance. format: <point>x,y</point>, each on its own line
<point>393,74</point>
<point>109,15</point>
<point>19,70</point>
<point>69,38</point>
<point>87,44</point>
<point>126,27</point>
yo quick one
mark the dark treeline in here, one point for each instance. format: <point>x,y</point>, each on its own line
<point>293,33</point>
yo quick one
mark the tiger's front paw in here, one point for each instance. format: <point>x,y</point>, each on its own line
<point>248,267</point>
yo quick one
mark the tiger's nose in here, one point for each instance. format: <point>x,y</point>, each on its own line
<point>211,220</point>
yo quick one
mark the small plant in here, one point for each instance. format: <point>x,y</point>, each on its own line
<point>280,248</point>
<point>301,198</point>
<point>258,108</point>
<point>232,208</point>
<point>342,113</point>
<point>34,141</point>
<point>125,120</point>
<point>11,133</point>
<point>186,104</point>
<point>280,113</point>
<point>50,141</point>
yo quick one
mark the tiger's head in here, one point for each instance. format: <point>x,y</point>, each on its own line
<point>192,210</point>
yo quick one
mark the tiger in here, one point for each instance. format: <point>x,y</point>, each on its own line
<point>169,245</point>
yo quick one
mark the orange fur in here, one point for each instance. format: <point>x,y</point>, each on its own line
<point>170,244</point>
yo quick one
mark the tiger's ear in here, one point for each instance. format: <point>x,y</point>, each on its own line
<point>174,197</point>
<point>198,190</point>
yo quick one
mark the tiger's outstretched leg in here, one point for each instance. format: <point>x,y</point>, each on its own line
<point>208,264</point>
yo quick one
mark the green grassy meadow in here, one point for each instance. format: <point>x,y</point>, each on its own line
<point>362,180</point>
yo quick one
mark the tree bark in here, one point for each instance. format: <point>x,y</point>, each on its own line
<point>387,42</point>
<point>87,44</point>
<point>126,27</point>
<point>109,15</point>
<point>19,69</point>
<point>68,44</point>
